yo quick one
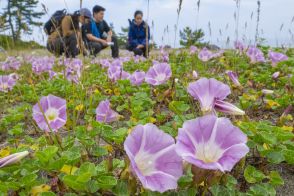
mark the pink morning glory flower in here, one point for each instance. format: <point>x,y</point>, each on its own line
<point>105,63</point>
<point>267,91</point>
<point>276,57</point>
<point>117,63</point>
<point>105,114</point>
<point>137,78</point>
<point>73,70</point>
<point>158,74</point>
<point>255,55</point>
<point>7,82</point>
<point>42,64</point>
<point>164,55</point>
<point>240,47</point>
<point>193,49</point>
<point>116,73</point>
<point>276,75</point>
<point>195,74</point>
<point>217,54</point>
<point>211,93</point>
<point>54,110</point>
<point>205,55</point>
<point>211,143</point>
<point>10,63</point>
<point>234,77</point>
<point>13,158</point>
<point>153,158</point>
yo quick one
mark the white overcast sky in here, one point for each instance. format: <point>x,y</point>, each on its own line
<point>219,13</point>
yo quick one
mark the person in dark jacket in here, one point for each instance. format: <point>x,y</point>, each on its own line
<point>98,34</point>
<point>138,34</point>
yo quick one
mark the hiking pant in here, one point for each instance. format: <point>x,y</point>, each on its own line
<point>96,47</point>
<point>137,51</point>
<point>71,46</point>
<point>67,45</point>
<point>56,47</point>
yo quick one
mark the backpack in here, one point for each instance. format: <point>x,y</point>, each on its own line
<point>55,21</point>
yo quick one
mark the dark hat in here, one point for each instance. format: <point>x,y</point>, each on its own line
<point>86,12</point>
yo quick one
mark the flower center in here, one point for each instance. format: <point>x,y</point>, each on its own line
<point>160,77</point>
<point>5,86</point>
<point>51,114</point>
<point>209,153</point>
<point>145,163</point>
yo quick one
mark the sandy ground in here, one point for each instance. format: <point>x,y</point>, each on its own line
<point>287,173</point>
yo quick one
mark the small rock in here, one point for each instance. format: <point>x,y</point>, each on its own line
<point>213,47</point>
<point>2,50</point>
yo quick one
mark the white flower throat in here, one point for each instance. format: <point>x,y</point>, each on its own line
<point>51,114</point>
<point>160,77</point>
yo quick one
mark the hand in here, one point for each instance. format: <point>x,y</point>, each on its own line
<point>108,39</point>
<point>104,42</point>
<point>140,46</point>
<point>86,52</point>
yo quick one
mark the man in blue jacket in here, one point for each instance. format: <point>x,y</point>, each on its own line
<point>98,35</point>
<point>138,34</point>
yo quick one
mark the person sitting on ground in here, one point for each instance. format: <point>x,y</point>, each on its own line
<point>85,19</point>
<point>67,37</point>
<point>138,34</point>
<point>98,34</point>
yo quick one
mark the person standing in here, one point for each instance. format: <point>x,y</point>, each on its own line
<point>98,34</point>
<point>138,34</point>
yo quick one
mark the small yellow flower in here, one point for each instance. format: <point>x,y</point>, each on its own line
<point>130,131</point>
<point>4,152</point>
<point>134,119</point>
<point>286,128</point>
<point>152,120</point>
<point>79,107</point>
<point>109,148</point>
<point>96,91</point>
<point>68,169</point>
<point>108,91</point>
<point>249,97</point>
<point>265,146</point>
<point>116,91</point>
<point>270,104</point>
<point>36,190</point>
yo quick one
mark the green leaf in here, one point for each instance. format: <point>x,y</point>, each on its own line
<point>117,136</point>
<point>275,157</point>
<point>289,156</point>
<point>275,178</point>
<point>106,182</point>
<point>121,189</point>
<point>87,167</point>
<point>268,137</point>
<point>47,194</point>
<point>28,179</point>
<point>178,107</point>
<point>218,190</point>
<point>185,180</point>
<point>98,152</point>
<point>92,186</point>
<point>263,189</point>
<point>72,182</point>
<point>47,154</point>
<point>252,175</point>
<point>84,177</point>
